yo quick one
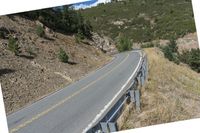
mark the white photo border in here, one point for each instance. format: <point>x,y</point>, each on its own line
<point>15,6</point>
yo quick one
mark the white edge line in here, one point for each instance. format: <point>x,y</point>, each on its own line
<point>109,104</point>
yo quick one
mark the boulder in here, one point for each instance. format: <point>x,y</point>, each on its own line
<point>103,43</point>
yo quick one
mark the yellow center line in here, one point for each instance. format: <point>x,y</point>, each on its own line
<point>62,101</point>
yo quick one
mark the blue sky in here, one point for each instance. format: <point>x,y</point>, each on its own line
<point>89,3</point>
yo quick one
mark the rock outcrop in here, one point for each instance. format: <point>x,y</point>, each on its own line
<point>103,43</point>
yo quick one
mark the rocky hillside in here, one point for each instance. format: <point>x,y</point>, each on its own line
<point>37,71</point>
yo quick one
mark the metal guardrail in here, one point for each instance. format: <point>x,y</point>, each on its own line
<point>131,93</point>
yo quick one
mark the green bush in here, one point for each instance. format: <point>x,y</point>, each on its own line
<point>2,36</point>
<point>63,56</point>
<point>192,58</point>
<point>77,39</point>
<point>13,45</point>
<point>171,51</point>
<point>79,36</point>
<point>40,31</point>
<point>147,45</point>
<point>4,32</point>
<point>30,51</point>
<point>124,44</point>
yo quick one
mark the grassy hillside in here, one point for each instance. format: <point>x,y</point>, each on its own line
<point>168,95</point>
<point>144,20</point>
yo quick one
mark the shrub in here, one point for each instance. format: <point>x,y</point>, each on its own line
<point>13,45</point>
<point>77,39</point>
<point>79,36</point>
<point>63,56</point>
<point>4,32</point>
<point>124,44</point>
<point>192,58</point>
<point>40,31</point>
<point>171,51</point>
<point>2,36</point>
<point>147,45</point>
<point>30,51</point>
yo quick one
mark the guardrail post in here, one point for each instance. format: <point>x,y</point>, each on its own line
<point>142,78</point>
<point>112,127</point>
<point>139,79</point>
<point>104,127</point>
<point>132,95</point>
<point>108,127</point>
<point>137,99</point>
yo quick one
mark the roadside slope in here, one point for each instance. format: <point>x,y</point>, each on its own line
<point>37,71</point>
<point>171,93</point>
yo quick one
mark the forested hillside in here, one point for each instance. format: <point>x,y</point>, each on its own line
<point>143,20</point>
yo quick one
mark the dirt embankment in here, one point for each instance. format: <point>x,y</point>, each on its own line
<point>188,42</point>
<point>37,71</point>
<point>171,93</point>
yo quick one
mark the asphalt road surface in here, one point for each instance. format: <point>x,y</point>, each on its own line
<point>75,108</point>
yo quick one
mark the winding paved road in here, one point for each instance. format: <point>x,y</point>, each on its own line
<point>77,107</point>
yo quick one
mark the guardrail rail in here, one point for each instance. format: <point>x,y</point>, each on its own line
<point>130,95</point>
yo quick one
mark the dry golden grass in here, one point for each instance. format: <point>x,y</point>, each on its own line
<point>171,93</point>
